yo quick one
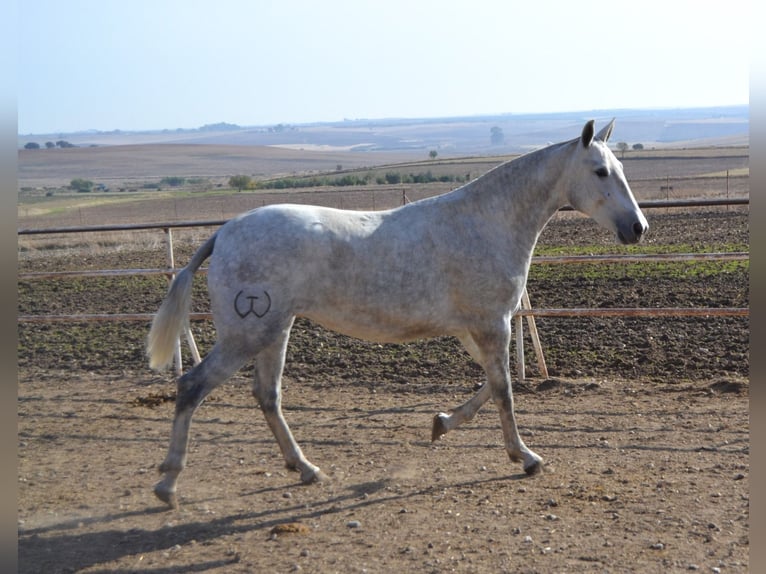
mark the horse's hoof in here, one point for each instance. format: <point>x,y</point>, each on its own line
<point>166,496</point>
<point>312,475</point>
<point>438,428</point>
<point>534,468</point>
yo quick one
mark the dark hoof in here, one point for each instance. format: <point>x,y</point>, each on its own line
<point>438,428</point>
<point>166,496</point>
<point>533,469</point>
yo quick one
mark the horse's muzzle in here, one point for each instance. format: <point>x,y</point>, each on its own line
<point>633,233</point>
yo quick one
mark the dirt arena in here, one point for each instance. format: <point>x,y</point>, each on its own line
<point>643,424</point>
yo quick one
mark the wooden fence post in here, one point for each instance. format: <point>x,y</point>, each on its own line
<point>542,367</point>
<point>520,367</point>
<point>521,375</point>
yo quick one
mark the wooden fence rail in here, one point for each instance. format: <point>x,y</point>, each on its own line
<point>648,204</point>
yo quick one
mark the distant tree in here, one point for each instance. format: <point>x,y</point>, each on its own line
<point>81,185</point>
<point>173,181</point>
<point>339,167</point>
<point>433,153</point>
<point>219,127</point>
<point>240,181</point>
<point>623,147</point>
<point>496,136</point>
<point>32,145</point>
<point>638,146</point>
<point>50,145</point>
<point>64,143</point>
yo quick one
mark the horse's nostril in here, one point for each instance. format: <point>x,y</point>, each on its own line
<point>638,228</point>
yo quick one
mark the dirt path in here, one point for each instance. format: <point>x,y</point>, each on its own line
<point>639,477</point>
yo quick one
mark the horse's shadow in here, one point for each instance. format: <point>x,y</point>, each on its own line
<point>62,547</point>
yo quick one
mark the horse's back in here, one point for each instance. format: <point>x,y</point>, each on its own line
<point>365,274</point>
<point>343,239</point>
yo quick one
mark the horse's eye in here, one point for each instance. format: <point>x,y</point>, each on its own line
<point>602,172</point>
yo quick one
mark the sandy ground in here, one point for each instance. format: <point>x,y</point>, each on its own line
<point>639,477</point>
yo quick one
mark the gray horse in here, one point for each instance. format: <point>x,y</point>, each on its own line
<point>455,264</point>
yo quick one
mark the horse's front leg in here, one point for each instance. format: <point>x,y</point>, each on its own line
<point>517,450</point>
<point>497,367</point>
<point>267,390</point>
<point>443,423</point>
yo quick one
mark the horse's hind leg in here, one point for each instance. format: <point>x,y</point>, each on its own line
<point>267,390</point>
<point>192,388</point>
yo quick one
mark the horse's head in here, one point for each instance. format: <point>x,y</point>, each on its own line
<point>599,188</point>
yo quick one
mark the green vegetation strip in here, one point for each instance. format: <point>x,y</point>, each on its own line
<point>681,261</point>
<point>643,258</point>
<point>641,249</point>
<point>353,179</point>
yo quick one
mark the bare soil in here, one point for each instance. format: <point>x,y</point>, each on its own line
<point>643,425</point>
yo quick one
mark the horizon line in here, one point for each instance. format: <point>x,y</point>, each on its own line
<point>381,119</point>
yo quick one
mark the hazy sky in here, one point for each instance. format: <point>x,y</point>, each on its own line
<point>154,64</point>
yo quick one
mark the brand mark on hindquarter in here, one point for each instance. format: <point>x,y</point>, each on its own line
<point>257,305</point>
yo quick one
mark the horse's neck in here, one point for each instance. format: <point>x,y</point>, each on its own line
<point>523,194</point>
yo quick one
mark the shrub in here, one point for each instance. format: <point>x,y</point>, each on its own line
<point>240,181</point>
<point>173,181</point>
<point>81,185</point>
<point>393,177</point>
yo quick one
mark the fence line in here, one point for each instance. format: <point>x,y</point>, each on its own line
<point>647,204</point>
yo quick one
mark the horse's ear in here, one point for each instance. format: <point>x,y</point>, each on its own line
<point>587,133</point>
<point>605,132</point>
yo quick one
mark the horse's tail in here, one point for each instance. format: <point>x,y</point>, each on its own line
<point>173,314</point>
